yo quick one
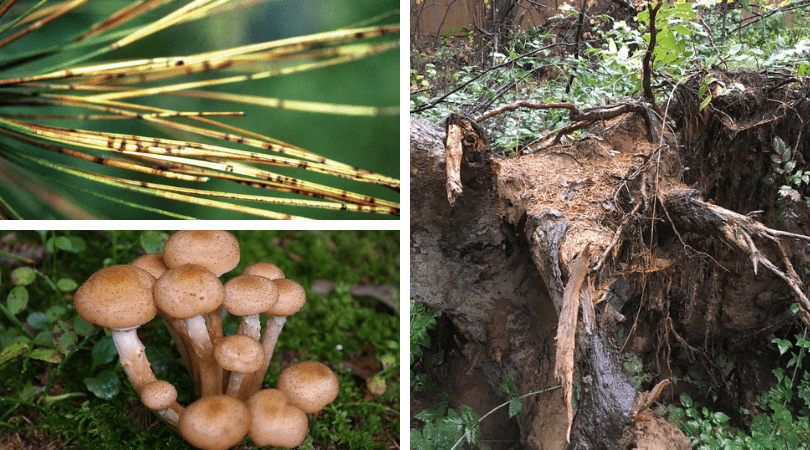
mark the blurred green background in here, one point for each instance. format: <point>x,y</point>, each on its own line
<point>371,143</point>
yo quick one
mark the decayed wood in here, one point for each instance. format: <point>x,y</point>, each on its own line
<point>567,330</point>
<point>452,159</point>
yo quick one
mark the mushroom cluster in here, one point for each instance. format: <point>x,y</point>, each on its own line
<point>182,286</point>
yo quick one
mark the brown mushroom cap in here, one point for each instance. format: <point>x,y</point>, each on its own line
<point>187,291</point>
<point>264,269</point>
<point>291,298</point>
<point>117,297</point>
<point>217,251</point>
<point>274,422</point>
<point>216,422</point>
<point>249,294</point>
<point>152,263</point>
<point>309,385</point>
<point>158,395</point>
<point>239,353</point>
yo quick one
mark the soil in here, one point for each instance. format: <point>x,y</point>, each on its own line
<point>694,259</point>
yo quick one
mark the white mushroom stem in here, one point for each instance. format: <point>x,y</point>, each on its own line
<point>133,356</point>
<point>209,372</point>
<point>172,413</point>
<point>234,383</point>
<point>253,383</point>
<point>250,326</point>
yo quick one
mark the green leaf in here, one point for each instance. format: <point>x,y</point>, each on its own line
<point>67,285</point>
<point>508,385</point>
<point>103,352</point>
<point>77,244</point>
<point>152,241</point>
<point>44,339</point>
<point>705,102</point>
<point>515,405</point>
<point>105,385</point>
<point>17,299</point>
<point>23,276</point>
<point>13,351</point>
<point>783,344</point>
<point>686,400</point>
<point>47,355</point>
<point>64,336</point>
<point>83,328</point>
<point>54,312</point>
<point>39,321</point>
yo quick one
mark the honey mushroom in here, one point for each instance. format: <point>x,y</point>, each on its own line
<point>274,422</point>
<point>291,298</point>
<point>309,385</point>
<point>183,286</point>
<point>120,298</point>
<point>247,296</point>
<point>153,263</point>
<point>189,292</point>
<point>238,354</point>
<point>215,422</point>
<point>161,396</point>
<point>217,251</point>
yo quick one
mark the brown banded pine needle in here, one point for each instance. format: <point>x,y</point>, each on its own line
<point>174,159</point>
<point>324,165</point>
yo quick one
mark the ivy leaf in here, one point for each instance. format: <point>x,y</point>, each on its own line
<point>103,352</point>
<point>47,354</point>
<point>66,285</point>
<point>105,385</point>
<point>17,299</point>
<point>38,320</point>
<point>83,328</point>
<point>13,351</point>
<point>23,276</point>
<point>64,336</point>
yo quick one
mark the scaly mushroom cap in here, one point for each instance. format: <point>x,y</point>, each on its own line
<point>274,422</point>
<point>117,297</point>
<point>291,298</point>
<point>249,294</point>
<point>264,269</point>
<point>309,385</point>
<point>152,263</point>
<point>239,353</point>
<point>158,395</point>
<point>216,422</point>
<point>187,291</point>
<point>217,251</point>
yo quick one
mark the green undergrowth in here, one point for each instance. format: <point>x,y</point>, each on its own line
<point>61,381</point>
<point>534,66</point>
<point>780,421</point>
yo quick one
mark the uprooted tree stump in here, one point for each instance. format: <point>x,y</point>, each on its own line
<point>660,226</point>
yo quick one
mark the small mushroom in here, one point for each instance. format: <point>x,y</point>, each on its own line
<point>264,269</point>
<point>217,251</point>
<point>161,396</point>
<point>239,354</point>
<point>216,422</point>
<point>120,298</point>
<point>189,292</point>
<point>247,296</point>
<point>309,385</point>
<point>274,422</point>
<point>291,298</point>
<point>153,263</point>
